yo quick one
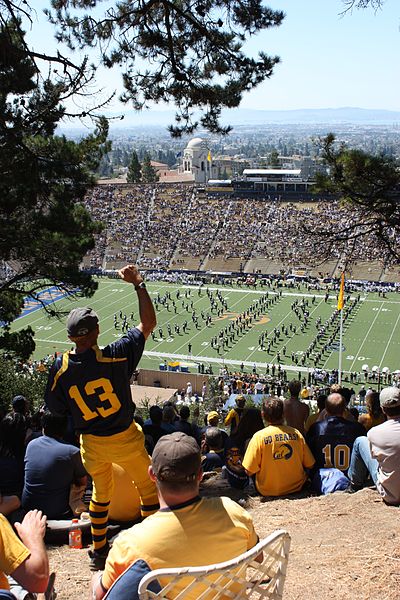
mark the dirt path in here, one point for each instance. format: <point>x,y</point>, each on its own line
<point>343,547</point>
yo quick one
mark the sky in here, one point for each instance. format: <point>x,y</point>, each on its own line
<point>327,60</point>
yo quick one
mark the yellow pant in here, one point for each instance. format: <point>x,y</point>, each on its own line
<point>127,450</point>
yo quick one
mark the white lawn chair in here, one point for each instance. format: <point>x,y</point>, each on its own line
<point>241,577</point>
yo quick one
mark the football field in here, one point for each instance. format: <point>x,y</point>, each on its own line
<point>371,332</point>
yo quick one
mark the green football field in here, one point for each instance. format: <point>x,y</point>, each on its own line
<point>371,334</point>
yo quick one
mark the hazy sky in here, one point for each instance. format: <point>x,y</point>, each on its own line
<point>328,60</point>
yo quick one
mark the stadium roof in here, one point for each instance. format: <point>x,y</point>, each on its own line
<point>261,172</point>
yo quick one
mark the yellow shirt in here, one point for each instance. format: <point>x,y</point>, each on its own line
<point>310,420</point>
<point>232,416</point>
<point>203,532</point>
<point>12,552</point>
<point>278,455</point>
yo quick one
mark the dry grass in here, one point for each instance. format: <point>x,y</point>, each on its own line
<point>343,546</point>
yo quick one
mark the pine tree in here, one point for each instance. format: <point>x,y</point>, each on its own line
<point>134,174</point>
<point>149,174</point>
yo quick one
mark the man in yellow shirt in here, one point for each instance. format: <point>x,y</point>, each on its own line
<point>278,455</point>
<point>187,530</point>
<point>25,560</point>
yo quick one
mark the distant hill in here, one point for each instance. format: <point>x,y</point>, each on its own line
<point>250,116</point>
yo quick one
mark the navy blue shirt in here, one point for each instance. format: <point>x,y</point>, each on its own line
<point>94,386</point>
<point>51,466</point>
<point>331,442</point>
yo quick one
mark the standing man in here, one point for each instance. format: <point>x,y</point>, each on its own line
<point>295,412</point>
<point>93,385</point>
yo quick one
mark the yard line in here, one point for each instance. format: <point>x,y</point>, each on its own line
<point>389,340</point>
<point>222,362</point>
<point>366,336</point>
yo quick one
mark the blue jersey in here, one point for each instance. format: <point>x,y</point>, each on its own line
<point>94,386</point>
<point>331,442</point>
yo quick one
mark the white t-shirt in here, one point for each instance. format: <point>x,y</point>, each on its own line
<point>385,447</point>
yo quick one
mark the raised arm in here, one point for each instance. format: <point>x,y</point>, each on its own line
<point>148,320</point>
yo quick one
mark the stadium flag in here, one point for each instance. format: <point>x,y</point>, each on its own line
<point>340,303</point>
<point>209,156</point>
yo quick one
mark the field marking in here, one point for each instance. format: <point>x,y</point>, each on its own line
<point>222,362</point>
<point>389,340</point>
<point>378,312</point>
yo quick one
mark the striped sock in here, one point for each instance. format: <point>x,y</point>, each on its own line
<point>98,512</point>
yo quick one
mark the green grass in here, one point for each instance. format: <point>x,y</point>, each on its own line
<point>371,336</point>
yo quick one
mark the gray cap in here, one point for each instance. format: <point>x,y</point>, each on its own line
<point>390,397</point>
<point>81,321</point>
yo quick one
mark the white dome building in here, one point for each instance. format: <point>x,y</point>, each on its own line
<point>196,160</point>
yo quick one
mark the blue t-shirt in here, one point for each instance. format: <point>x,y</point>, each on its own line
<point>94,386</point>
<point>51,466</point>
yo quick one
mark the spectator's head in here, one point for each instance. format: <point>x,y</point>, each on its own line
<point>20,405</point>
<point>53,425</point>
<point>169,414</point>
<point>250,422</point>
<point>176,465</point>
<point>373,405</point>
<point>346,393</point>
<point>12,435</point>
<point>213,438</point>
<point>294,387</point>
<point>240,401</point>
<point>321,399</point>
<point>83,326</point>
<point>213,418</point>
<point>156,414</point>
<point>184,412</point>
<point>273,410</point>
<point>335,405</point>
<point>390,401</point>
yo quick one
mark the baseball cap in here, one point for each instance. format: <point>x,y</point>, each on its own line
<point>176,457</point>
<point>81,321</point>
<point>212,415</point>
<point>19,403</point>
<point>390,397</point>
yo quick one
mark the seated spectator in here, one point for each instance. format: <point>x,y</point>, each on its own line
<point>12,451</point>
<point>187,530</point>
<point>168,419</point>
<point>183,424</point>
<point>152,426</point>
<point>51,467</point>
<point>25,559</point>
<point>374,415</point>
<point>277,455</point>
<point>346,394</point>
<point>213,457</point>
<point>235,414</point>
<point>377,456</point>
<point>236,444</point>
<point>295,412</point>
<point>321,398</point>
<point>331,440</point>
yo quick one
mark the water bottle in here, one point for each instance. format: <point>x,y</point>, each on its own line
<point>75,535</point>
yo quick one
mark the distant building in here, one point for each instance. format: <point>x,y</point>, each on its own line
<point>196,160</point>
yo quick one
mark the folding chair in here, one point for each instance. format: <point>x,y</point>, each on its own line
<point>241,577</point>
